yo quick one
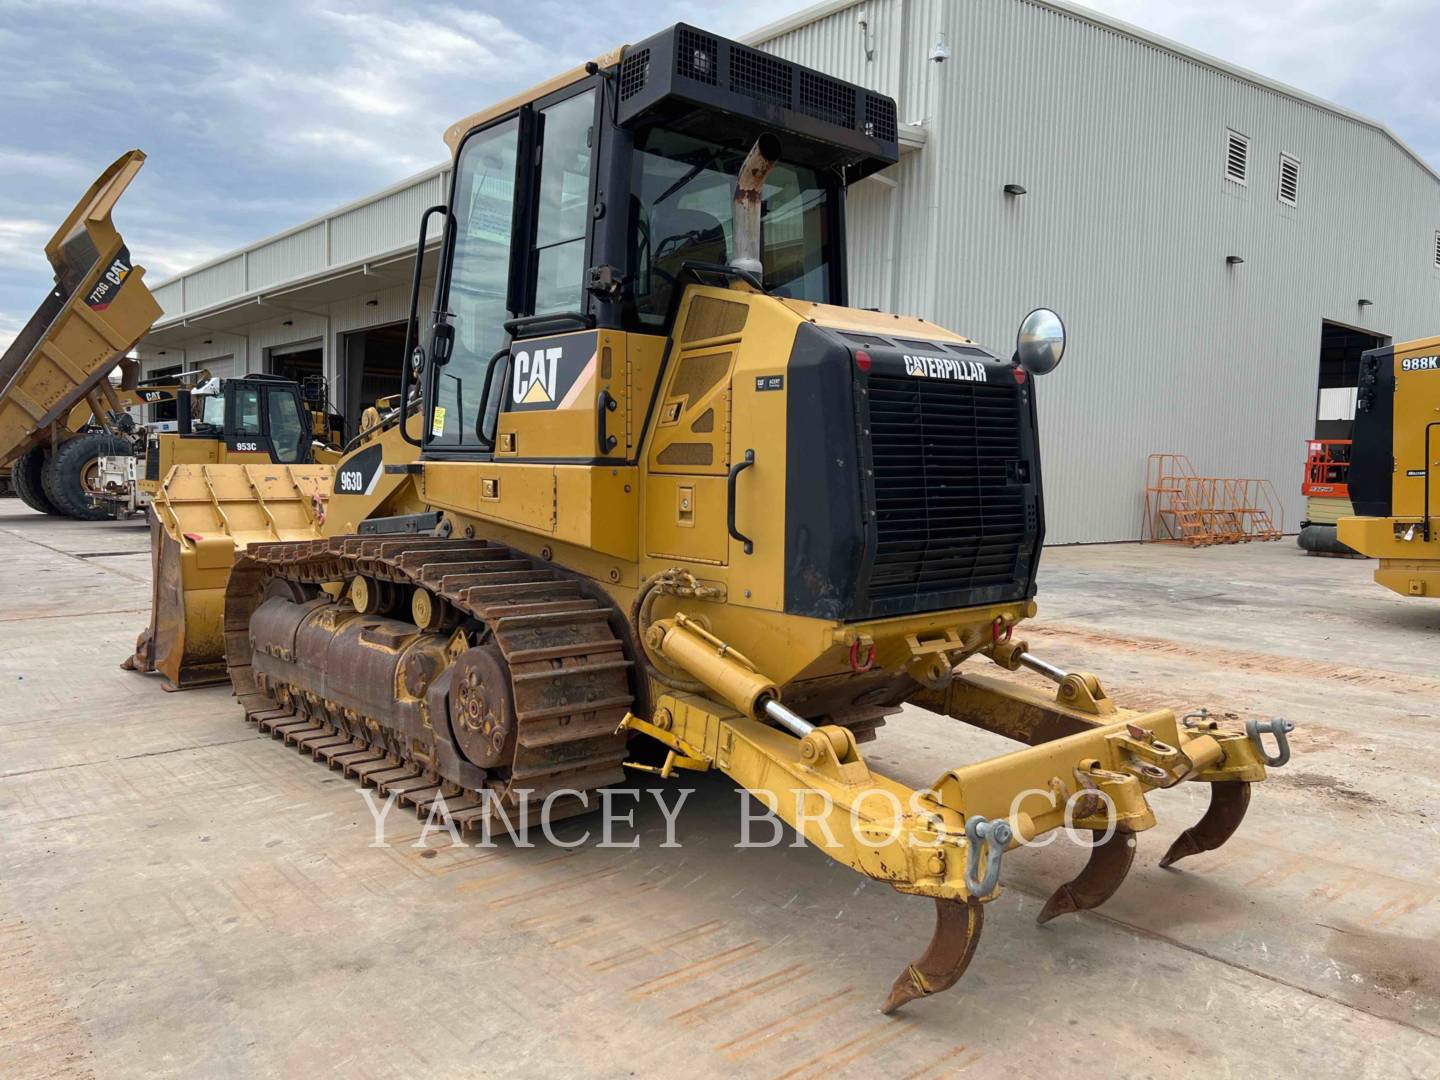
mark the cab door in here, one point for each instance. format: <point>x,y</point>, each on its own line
<point>561,385</point>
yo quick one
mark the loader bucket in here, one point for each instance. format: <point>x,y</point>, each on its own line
<point>202,518</point>
<point>97,311</point>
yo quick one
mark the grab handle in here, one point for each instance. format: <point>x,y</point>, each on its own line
<point>607,404</point>
<point>735,471</point>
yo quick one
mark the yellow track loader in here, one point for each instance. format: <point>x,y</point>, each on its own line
<point>659,498</point>
<point>253,418</point>
<point>58,408</point>
<point>1395,466</point>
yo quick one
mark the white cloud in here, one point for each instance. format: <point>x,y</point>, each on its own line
<point>14,159</point>
<point>22,241</point>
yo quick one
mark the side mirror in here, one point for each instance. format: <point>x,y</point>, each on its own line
<point>1041,342</point>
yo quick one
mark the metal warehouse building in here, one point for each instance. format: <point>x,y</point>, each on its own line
<point>1222,247</point>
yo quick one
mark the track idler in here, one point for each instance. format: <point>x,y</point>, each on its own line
<point>957,932</point>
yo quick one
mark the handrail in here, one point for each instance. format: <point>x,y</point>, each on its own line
<point>412,343</point>
<point>1428,427</point>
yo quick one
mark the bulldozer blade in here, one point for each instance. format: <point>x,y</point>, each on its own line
<point>1106,869</point>
<point>957,932</point>
<point>1229,799</point>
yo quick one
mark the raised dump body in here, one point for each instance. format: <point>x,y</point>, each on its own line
<point>57,369</point>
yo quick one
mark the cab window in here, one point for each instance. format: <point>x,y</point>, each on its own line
<point>563,205</point>
<point>484,206</point>
<point>247,411</point>
<point>287,428</point>
<point>212,411</point>
<point>684,189</point>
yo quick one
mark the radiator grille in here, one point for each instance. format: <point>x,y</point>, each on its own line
<point>949,510</point>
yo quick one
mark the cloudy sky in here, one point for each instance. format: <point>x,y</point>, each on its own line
<point>258,114</point>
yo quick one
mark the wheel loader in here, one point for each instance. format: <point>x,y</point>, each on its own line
<point>1395,466</point>
<point>656,497</point>
<point>59,411</point>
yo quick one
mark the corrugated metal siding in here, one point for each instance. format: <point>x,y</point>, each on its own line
<point>168,296</point>
<point>871,242</point>
<point>287,258</point>
<point>1124,231</point>
<point>215,283</point>
<point>372,228</point>
<point>384,224</point>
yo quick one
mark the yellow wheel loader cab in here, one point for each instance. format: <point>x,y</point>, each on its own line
<point>657,486</point>
<point>1395,466</point>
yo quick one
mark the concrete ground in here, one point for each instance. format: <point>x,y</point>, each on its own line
<point>180,896</point>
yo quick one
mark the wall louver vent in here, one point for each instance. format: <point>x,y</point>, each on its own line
<point>1237,157</point>
<point>1289,181</point>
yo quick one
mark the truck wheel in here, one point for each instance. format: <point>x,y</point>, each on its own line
<point>72,474</point>
<point>25,477</point>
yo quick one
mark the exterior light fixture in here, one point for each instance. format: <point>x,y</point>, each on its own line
<point>1364,303</point>
<point>939,52</point>
<point>1233,260</point>
<point>1014,189</point>
<point>372,303</point>
<point>208,341</point>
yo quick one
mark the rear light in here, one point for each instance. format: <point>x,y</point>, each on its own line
<point>1019,373</point>
<point>862,361</point>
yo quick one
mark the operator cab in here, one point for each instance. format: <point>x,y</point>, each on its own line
<point>263,415</point>
<point>576,216</point>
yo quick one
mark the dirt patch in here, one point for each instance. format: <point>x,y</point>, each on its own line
<point>1324,785</point>
<point>1398,967</point>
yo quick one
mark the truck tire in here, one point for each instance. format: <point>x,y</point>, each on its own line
<point>1322,540</point>
<point>25,477</point>
<point>69,475</point>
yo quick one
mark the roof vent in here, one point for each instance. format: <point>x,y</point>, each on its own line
<point>634,72</point>
<point>1237,157</point>
<point>1289,180</point>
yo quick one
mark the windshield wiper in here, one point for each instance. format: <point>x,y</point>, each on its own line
<point>695,171</point>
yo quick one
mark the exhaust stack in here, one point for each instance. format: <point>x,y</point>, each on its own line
<point>749,194</point>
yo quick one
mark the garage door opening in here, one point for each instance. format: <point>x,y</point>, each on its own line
<point>372,369</point>
<point>297,362</point>
<point>1340,351</point>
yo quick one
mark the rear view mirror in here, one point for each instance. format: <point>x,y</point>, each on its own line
<point>1041,342</point>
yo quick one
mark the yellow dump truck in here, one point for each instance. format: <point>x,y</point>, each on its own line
<point>1395,466</point>
<point>59,411</point>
